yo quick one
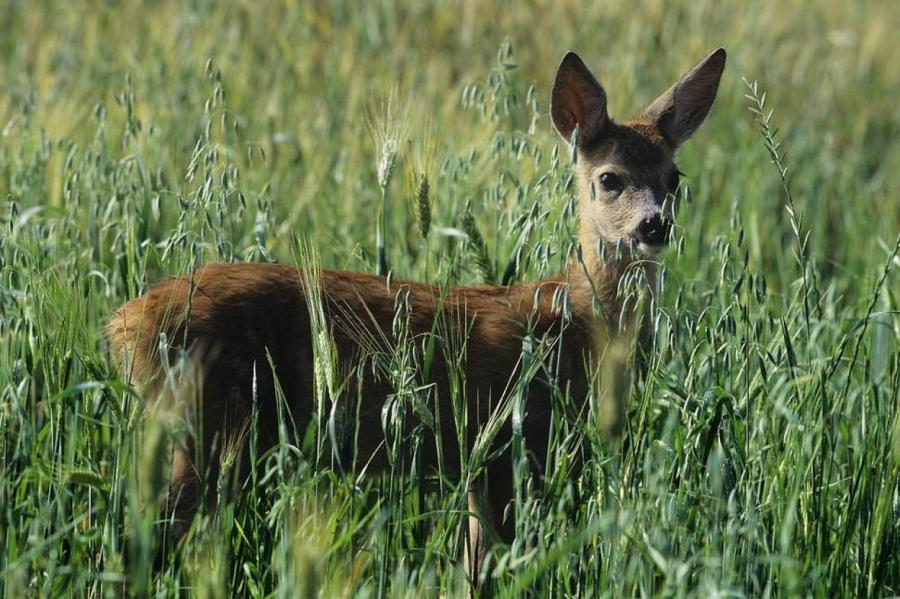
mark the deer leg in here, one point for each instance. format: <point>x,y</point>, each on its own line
<point>476,538</point>
<point>487,502</point>
<point>216,446</point>
<point>178,507</point>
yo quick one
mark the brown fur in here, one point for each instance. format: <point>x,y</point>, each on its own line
<point>233,318</point>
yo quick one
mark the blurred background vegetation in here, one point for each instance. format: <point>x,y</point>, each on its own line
<point>301,80</point>
<point>140,139</point>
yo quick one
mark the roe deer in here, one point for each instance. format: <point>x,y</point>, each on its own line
<point>235,320</point>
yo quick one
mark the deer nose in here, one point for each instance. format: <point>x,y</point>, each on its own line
<point>654,230</point>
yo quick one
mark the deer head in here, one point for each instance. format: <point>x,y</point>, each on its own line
<point>626,173</point>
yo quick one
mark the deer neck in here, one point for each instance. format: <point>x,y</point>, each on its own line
<point>611,289</point>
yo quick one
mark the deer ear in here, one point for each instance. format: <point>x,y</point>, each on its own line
<point>683,107</point>
<point>577,99</point>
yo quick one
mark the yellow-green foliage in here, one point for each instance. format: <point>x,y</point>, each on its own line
<point>140,139</point>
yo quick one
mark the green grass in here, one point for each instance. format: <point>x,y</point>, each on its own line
<point>762,451</point>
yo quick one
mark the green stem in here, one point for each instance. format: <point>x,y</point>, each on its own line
<point>380,257</point>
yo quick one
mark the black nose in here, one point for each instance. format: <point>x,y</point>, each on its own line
<point>654,230</point>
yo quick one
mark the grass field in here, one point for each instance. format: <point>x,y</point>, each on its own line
<point>762,452</point>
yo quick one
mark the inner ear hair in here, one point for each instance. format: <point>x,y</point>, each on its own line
<point>577,99</point>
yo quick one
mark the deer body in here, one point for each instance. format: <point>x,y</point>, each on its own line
<point>250,314</point>
<point>239,318</point>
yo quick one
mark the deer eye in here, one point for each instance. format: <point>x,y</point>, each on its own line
<point>611,182</point>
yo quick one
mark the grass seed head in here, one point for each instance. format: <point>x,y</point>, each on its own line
<point>423,206</point>
<point>388,124</point>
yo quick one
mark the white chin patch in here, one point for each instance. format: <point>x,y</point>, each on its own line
<point>650,250</point>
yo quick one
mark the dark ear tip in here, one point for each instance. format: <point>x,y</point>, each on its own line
<point>719,55</point>
<point>570,59</point>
